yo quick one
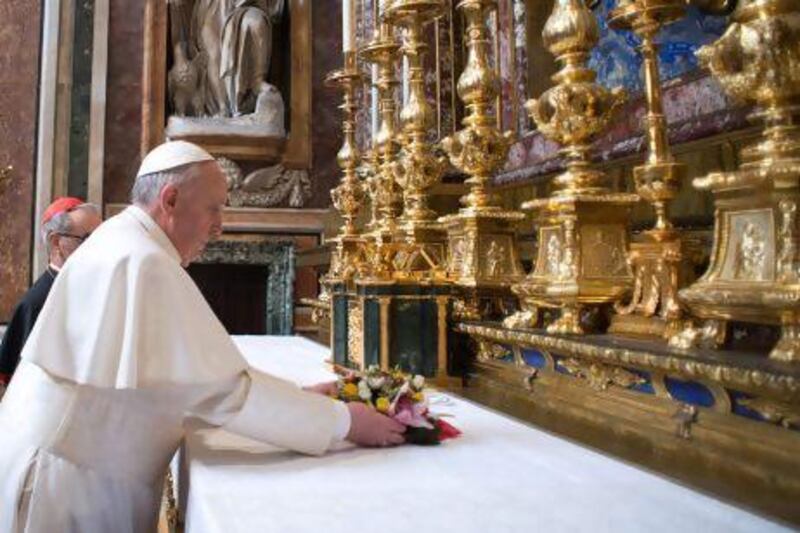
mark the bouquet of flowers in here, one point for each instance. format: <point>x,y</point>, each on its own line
<point>398,396</point>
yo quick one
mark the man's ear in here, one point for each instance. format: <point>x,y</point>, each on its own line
<point>52,241</point>
<point>168,198</point>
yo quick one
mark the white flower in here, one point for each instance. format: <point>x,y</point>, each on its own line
<point>364,392</point>
<point>418,382</point>
<point>376,382</point>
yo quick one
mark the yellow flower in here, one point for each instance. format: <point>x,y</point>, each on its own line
<point>382,404</point>
<point>417,397</point>
<point>350,390</point>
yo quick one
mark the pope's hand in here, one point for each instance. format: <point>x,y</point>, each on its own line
<point>326,389</point>
<point>370,428</point>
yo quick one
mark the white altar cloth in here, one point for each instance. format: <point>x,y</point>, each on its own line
<point>500,476</point>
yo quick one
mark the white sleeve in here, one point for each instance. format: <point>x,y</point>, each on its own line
<point>283,414</point>
<point>342,427</point>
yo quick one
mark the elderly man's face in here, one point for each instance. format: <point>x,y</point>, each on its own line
<point>82,223</point>
<point>195,215</point>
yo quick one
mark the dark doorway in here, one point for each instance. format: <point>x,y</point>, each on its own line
<point>236,293</point>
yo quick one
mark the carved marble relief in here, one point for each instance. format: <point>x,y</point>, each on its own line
<point>749,251</point>
<point>604,251</point>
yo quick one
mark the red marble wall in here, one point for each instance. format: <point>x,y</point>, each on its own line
<point>20,29</point>
<point>326,137</point>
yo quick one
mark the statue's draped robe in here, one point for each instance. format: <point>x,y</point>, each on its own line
<point>236,37</point>
<point>125,358</point>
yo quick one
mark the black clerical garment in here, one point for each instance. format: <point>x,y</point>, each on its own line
<point>22,322</point>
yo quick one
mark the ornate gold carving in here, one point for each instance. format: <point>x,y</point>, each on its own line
<point>600,376</point>
<point>751,276</point>
<point>787,258</point>
<point>355,334</point>
<point>582,226</point>
<point>660,268</point>
<point>527,318</point>
<point>781,413</point>
<point>488,351</point>
<point>760,382</point>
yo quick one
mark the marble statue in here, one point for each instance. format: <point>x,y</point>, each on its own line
<point>222,51</point>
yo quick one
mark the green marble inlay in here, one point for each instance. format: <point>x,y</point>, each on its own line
<point>80,99</point>
<point>340,331</point>
<point>414,335</point>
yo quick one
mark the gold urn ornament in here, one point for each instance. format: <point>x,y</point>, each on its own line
<point>582,226</point>
<point>754,274</point>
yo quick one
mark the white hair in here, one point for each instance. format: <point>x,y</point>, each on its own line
<point>62,223</point>
<point>147,187</point>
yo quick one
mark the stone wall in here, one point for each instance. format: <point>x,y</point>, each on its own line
<point>20,25</point>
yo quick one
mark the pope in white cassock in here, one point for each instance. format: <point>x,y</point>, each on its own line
<point>126,357</point>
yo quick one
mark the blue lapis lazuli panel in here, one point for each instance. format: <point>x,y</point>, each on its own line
<point>534,358</point>
<point>689,392</point>
<point>618,63</point>
<point>741,410</point>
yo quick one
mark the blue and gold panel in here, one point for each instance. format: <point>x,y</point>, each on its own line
<point>738,406</point>
<point>689,392</point>
<point>618,63</point>
<point>534,358</point>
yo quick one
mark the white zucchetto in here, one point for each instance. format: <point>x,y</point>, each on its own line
<point>172,154</point>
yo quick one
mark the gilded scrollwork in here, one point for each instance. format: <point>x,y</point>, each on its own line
<point>787,258</point>
<point>757,381</point>
<point>355,335</point>
<point>600,376</point>
<point>780,413</point>
<point>489,351</point>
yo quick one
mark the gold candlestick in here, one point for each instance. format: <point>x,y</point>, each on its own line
<point>582,227</point>
<point>383,50</point>
<point>418,168</point>
<point>347,197</point>
<point>754,274</point>
<point>658,262</point>
<point>482,248</point>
